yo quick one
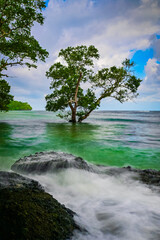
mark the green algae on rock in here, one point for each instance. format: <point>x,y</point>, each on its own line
<point>29,213</point>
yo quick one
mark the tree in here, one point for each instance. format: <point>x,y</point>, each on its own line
<point>68,80</point>
<point>5,97</point>
<point>17,105</point>
<point>17,45</point>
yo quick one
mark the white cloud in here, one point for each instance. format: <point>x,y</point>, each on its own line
<point>155,44</point>
<point>150,88</point>
<point>152,70</point>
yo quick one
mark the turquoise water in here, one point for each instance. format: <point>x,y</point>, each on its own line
<point>113,138</point>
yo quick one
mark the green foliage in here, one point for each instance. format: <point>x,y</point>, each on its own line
<point>5,97</point>
<point>68,83</point>
<point>17,105</point>
<point>17,45</point>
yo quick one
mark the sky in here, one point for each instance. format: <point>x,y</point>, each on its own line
<point>119,29</point>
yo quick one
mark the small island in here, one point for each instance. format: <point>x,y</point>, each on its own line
<point>17,105</point>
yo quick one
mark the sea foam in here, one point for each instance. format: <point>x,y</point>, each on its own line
<point>108,207</point>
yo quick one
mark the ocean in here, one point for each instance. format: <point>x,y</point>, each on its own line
<point>108,207</point>
<point>113,138</point>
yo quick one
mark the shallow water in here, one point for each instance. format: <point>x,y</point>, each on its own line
<point>109,138</point>
<point>109,207</point>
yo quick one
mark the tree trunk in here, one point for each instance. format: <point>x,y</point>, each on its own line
<point>73,120</point>
<point>73,110</point>
<point>77,86</point>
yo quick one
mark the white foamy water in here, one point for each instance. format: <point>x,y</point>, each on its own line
<point>108,207</point>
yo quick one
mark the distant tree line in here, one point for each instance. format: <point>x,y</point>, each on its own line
<point>17,105</point>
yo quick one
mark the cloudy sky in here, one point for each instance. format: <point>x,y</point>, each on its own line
<point>119,29</point>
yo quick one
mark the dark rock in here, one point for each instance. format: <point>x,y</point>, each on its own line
<point>27,212</point>
<point>44,162</point>
<point>12,180</point>
<point>147,176</point>
<point>151,177</point>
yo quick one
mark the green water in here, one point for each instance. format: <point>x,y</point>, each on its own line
<point>108,138</point>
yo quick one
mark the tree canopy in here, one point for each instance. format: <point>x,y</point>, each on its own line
<point>76,99</point>
<point>5,97</point>
<point>17,45</point>
<point>17,105</point>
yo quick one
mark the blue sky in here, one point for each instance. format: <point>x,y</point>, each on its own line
<point>47,2</point>
<point>119,29</point>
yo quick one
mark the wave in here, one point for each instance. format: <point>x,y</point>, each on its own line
<point>126,120</point>
<point>108,207</point>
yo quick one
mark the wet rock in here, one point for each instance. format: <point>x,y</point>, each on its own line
<point>147,176</point>
<point>27,212</point>
<point>11,180</point>
<point>44,162</point>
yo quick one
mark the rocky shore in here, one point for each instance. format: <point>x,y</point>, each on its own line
<point>28,212</point>
<point>49,162</point>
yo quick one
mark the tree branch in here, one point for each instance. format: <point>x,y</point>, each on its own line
<point>77,86</point>
<point>97,103</point>
<point>9,64</point>
<point>70,104</point>
<point>85,116</point>
<point>5,64</point>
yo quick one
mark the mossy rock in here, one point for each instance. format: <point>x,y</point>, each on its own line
<point>29,213</point>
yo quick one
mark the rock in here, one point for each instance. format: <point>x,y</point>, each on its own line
<point>44,162</point>
<point>147,176</point>
<point>10,180</point>
<point>27,212</point>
